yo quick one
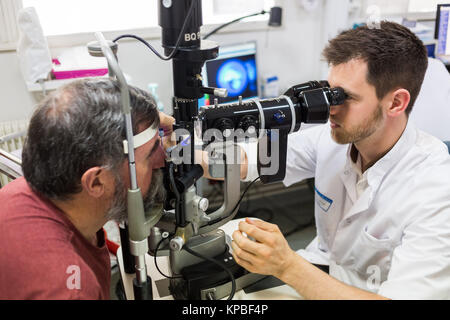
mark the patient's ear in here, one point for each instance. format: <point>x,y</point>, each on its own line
<point>95,181</point>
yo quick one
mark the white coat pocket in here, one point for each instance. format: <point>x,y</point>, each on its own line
<point>372,256</point>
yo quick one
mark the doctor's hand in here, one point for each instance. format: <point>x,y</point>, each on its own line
<point>269,254</point>
<point>166,123</point>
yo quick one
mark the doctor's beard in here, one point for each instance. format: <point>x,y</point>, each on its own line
<point>359,132</point>
<point>155,194</point>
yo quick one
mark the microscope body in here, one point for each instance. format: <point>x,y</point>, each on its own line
<point>268,122</point>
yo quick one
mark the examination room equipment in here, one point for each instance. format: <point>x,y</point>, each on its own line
<point>442,30</point>
<point>201,264</point>
<point>235,69</point>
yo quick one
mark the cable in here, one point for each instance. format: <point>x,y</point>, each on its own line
<point>238,203</point>
<point>243,194</point>
<point>271,214</point>
<point>148,45</point>
<point>233,280</point>
<point>156,264</point>
<point>247,201</point>
<point>177,44</point>
<point>231,22</point>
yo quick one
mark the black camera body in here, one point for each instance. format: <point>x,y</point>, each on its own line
<point>272,120</point>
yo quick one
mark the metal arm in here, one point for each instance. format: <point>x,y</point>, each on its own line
<point>138,223</point>
<point>115,71</point>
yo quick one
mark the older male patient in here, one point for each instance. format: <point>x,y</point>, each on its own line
<point>75,180</point>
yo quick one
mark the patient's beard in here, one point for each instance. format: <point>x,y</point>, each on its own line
<point>155,195</point>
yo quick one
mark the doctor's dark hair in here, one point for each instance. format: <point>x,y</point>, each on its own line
<point>78,127</point>
<point>395,56</point>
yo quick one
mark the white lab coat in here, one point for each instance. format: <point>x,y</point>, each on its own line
<point>394,239</point>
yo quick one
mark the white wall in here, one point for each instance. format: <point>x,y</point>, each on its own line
<point>292,52</point>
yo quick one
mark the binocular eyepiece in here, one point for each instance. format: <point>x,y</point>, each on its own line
<point>304,103</point>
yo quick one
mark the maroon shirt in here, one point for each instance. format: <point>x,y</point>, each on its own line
<point>43,255</point>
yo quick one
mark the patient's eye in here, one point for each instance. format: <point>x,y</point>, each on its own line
<point>155,147</point>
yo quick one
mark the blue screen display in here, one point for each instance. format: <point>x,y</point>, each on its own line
<point>237,74</point>
<point>232,76</point>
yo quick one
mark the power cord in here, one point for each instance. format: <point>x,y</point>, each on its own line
<point>233,280</point>
<point>156,263</point>
<point>231,22</point>
<point>269,215</point>
<point>243,194</point>
<point>239,202</point>
<point>198,255</point>
<point>177,44</point>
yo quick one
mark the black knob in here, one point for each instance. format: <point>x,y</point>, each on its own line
<point>248,122</point>
<point>223,124</point>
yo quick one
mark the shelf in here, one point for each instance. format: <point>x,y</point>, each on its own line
<point>54,84</point>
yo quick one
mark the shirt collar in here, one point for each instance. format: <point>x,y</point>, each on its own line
<point>355,165</point>
<point>376,173</point>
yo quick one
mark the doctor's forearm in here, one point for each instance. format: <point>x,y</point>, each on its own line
<point>203,155</point>
<point>312,283</point>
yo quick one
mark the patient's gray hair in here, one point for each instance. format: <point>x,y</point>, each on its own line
<point>78,127</point>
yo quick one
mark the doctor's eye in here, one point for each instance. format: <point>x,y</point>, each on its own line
<point>348,96</point>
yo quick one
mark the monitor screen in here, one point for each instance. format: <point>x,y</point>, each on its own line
<point>235,70</point>
<point>442,29</point>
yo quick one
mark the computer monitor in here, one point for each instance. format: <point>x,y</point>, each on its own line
<point>235,70</point>
<point>442,32</point>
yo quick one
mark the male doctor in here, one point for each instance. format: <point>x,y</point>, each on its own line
<point>382,187</point>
